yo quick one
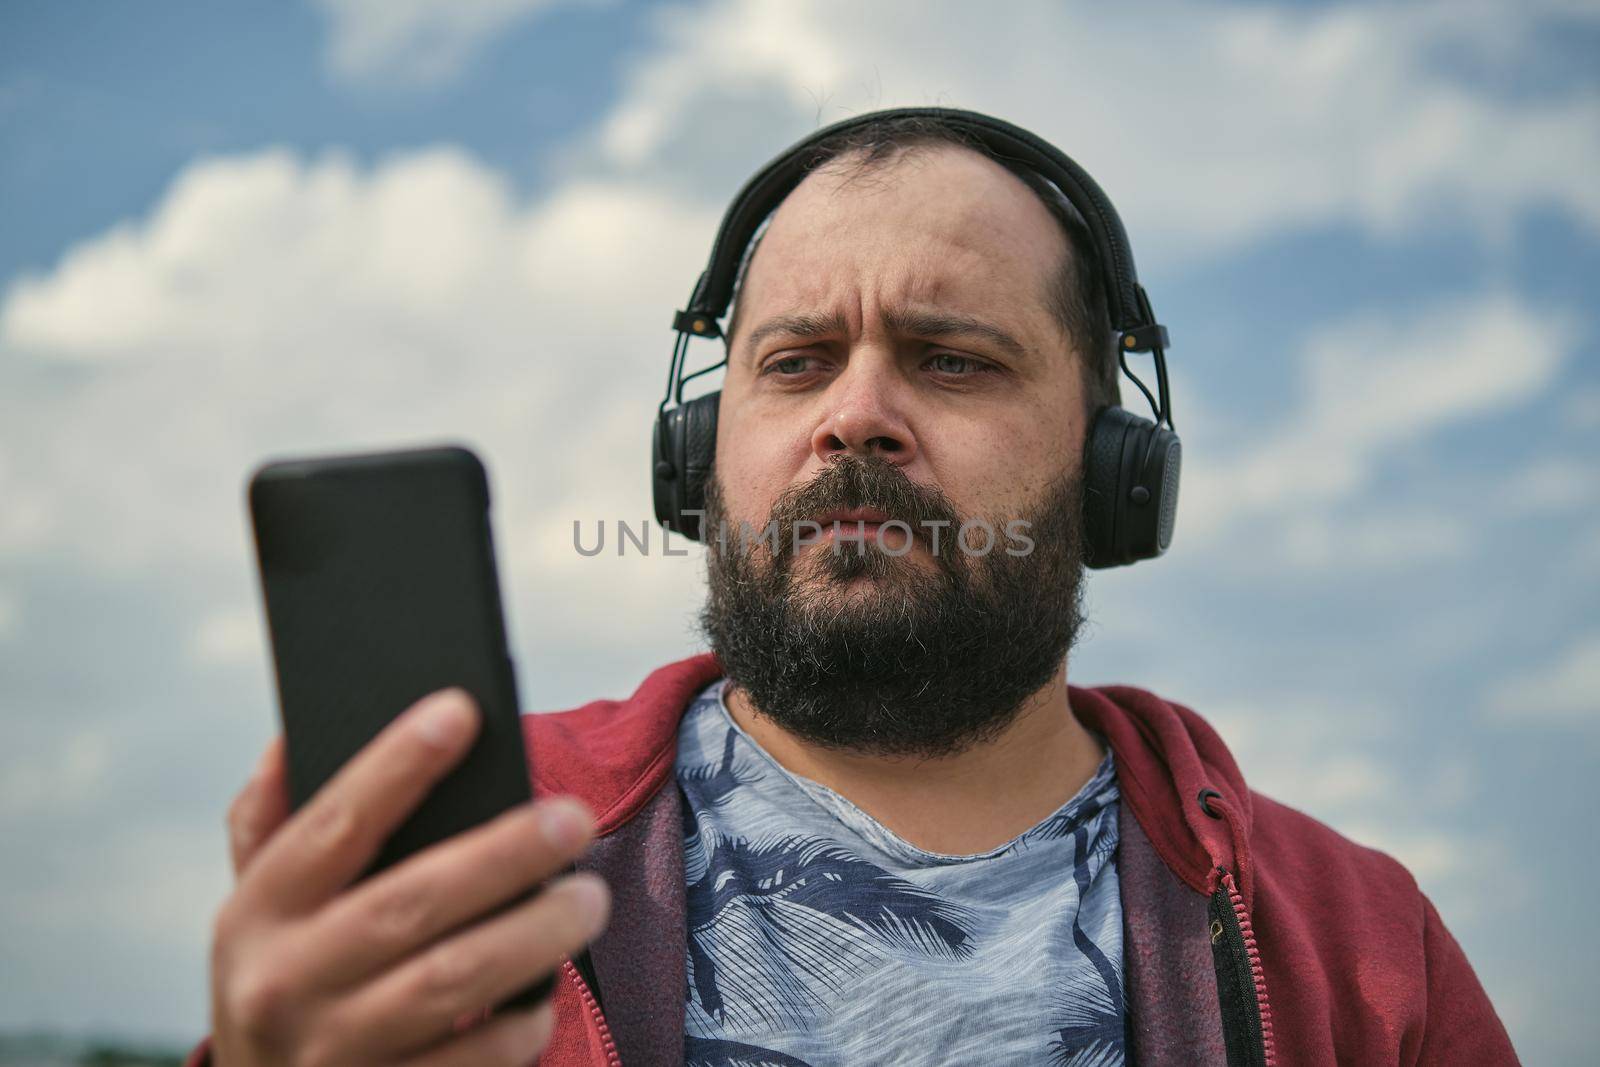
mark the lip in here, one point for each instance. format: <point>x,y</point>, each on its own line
<point>869,516</point>
<point>864,524</point>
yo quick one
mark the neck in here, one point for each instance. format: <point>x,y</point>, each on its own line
<point>970,802</point>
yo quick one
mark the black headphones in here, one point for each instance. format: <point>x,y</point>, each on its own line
<point>1130,463</point>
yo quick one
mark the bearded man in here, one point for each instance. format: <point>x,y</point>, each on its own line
<point>874,824</point>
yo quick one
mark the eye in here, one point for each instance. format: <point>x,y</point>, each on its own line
<point>958,366</point>
<point>788,366</point>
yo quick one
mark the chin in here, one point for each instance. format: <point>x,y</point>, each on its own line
<point>866,578</point>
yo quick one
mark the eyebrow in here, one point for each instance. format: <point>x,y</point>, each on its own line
<point>945,324</point>
<point>798,326</point>
<point>951,324</point>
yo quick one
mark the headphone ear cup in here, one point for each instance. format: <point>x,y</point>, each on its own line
<point>1130,488</point>
<point>1102,477</point>
<point>682,451</point>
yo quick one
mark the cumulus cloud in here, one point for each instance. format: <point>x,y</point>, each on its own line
<point>1254,119</point>
<point>1550,485</point>
<point>1343,762</point>
<point>1373,384</point>
<point>1367,543</point>
<point>231,635</point>
<point>73,777</point>
<point>1581,410</point>
<point>418,42</point>
<point>1562,691</point>
<point>272,304</point>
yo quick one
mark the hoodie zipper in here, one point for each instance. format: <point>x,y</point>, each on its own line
<point>1241,983</point>
<point>595,1015</point>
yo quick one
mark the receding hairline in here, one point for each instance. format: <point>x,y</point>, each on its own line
<point>860,164</point>
<point>1075,291</point>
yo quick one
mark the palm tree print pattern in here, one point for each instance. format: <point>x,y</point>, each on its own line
<point>717,1052</point>
<point>794,916</point>
<point>796,925</point>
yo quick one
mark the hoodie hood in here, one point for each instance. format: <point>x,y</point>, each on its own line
<point>1176,776</point>
<point>1179,780</point>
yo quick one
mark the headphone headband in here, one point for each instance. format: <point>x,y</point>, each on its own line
<point>1129,308</point>
<point>1130,464</point>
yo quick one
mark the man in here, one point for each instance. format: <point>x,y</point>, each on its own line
<point>875,824</point>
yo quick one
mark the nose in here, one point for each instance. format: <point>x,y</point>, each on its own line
<point>865,417</point>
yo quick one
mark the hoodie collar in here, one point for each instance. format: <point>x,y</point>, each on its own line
<point>1179,780</point>
<point>616,754</point>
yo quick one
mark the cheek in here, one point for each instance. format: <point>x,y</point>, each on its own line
<point>998,465</point>
<point>755,463</point>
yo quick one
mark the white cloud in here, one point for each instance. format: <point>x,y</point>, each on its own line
<point>1565,690</point>
<point>1550,485</point>
<point>1587,561</point>
<point>1308,751</point>
<point>1581,411</point>
<point>1373,384</point>
<point>10,614</point>
<point>72,777</point>
<point>1341,761</point>
<point>1431,857</point>
<point>1366,543</point>
<point>160,880</point>
<point>272,304</point>
<point>276,303</point>
<point>1257,122</point>
<point>417,42</point>
<point>1254,120</point>
<point>227,636</point>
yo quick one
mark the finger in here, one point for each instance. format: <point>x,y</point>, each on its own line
<point>514,1039</point>
<point>416,1003</point>
<point>400,910</point>
<point>335,834</point>
<point>260,808</point>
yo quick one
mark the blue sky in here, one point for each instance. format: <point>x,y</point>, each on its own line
<point>229,231</point>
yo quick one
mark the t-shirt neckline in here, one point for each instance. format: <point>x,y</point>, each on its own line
<point>858,821</point>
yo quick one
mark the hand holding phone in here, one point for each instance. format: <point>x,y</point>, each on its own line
<point>389,867</point>
<point>307,967</point>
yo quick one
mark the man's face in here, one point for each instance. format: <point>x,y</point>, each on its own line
<point>903,312</point>
<point>896,357</point>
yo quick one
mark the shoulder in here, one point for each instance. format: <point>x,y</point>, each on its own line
<point>1306,857</point>
<point>1337,906</point>
<point>1353,948</point>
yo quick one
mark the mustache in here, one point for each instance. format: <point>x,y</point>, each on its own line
<point>850,482</point>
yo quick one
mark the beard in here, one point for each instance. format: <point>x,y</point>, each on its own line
<point>922,657</point>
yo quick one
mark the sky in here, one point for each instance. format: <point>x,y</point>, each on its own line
<point>233,231</point>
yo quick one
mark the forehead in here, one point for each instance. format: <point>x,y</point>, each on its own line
<point>936,224</point>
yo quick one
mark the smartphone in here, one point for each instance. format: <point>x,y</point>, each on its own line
<point>379,582</point>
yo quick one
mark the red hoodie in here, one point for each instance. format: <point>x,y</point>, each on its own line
<point>1253,934</point>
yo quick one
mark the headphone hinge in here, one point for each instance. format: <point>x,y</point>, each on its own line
<point>699,323</point>
<point>1144,338</point>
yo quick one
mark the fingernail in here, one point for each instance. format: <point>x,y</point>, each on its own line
<point>594,899</point>
<point>564,826</point>
<point>444,717</point>
<point>262,764</point>
<point>544,1021</point>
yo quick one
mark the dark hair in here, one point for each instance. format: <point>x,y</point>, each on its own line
<point>1077,292</point>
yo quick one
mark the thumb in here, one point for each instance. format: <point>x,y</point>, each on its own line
<point>259,809</point>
